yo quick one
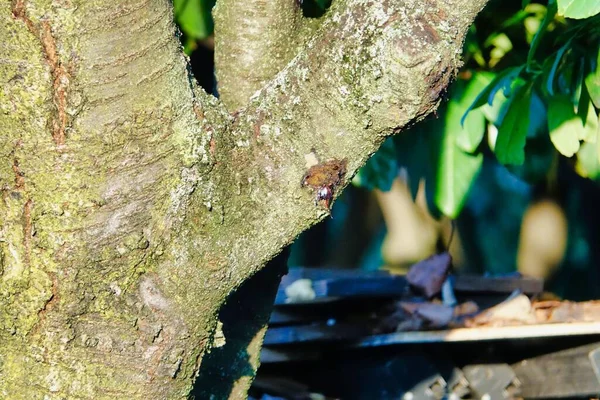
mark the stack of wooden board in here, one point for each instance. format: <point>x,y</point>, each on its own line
<point>332,331</point>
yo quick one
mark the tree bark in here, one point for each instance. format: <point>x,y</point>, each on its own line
<point>134,204</point>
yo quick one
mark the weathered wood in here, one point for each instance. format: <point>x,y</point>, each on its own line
<point>484,333</point>
<point>313,333</point>
<point>472,283</point>
<point>329,284</point>
<point>558,375</point>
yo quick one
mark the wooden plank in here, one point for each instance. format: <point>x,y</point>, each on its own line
<point>376,286</point>
<point>483,333</point>
<point>318,274</point>
<point>313,333</point>
<point>328,284</point>
<point>345,332</point>
<point>473,283</point>
<point>566,373</point>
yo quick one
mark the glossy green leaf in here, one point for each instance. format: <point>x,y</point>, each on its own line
<point>462,94</point>
<point>495,113</point>
<point>381,169</point>
<point>539,156</point>
<point>194,17</point>
<point>512,133</point>
<point>578,9</point>
<point>588,164</point>
<point>429,150</point>
<point>592,80</point>
<point>551,75</point>
<point>502,81</point>
<point>577,81</point>
<point>564,125</point>
<point>501,44</point>
<point>589,128</point>
<point>456,169</point>
<point>598,136</point>
<point>583,104</point>
<point>550,13</point>
<point>456,173</point>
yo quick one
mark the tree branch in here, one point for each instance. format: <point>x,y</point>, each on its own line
<point>151,203</point>
<point>370,70</point>
<point>254,40</point>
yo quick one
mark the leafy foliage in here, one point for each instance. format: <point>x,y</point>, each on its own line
<point>194,17</point>
<point>195,20</point>
<point>532,83</point>
<point>578,8</point>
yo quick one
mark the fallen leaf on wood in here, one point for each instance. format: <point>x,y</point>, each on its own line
<point>434,314</point>
<point>516,309</point>
<point>437,315</point>
<point>428,276</point>
<point>567,311</point>
<point>466,308</point>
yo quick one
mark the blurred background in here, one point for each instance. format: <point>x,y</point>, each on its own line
<point>504,176</point>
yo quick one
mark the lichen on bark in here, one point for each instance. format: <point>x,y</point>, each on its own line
<point>133,204</point>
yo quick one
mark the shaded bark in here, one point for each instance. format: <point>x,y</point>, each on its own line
<point>134,204</point>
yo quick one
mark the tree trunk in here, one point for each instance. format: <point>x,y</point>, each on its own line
<point>134,205</point>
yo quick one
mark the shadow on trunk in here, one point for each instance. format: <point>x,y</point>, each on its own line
<point>231,368</point>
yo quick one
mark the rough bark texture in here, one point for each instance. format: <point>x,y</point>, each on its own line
<point>133,204</point>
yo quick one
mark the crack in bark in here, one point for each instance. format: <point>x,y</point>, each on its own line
<point>60,84</point>
<point>19,12</point>
<point>60,75</point>
<point>48,305</point>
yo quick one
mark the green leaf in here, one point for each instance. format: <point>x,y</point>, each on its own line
<point>456,169</point>
<point>495,113</point>
<point>578,9</point>
<point>564,125</point>
<point>471,131</point>
<point>550,13</point>
<point>587,164</point>
<point>512,133</point>
<point>381,169</point>
<point>592,80</point>
<point>598,137</point>
<point>502,81</point>
<point>590,126</point>
<point>552,73</point>
<point>456,173</point>
<point>194,17</point>
<point>501,45</point>
<point>539,156</point>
